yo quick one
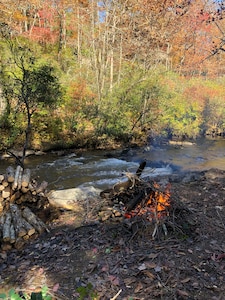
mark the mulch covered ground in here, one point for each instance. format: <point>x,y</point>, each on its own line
<point>110,261</point>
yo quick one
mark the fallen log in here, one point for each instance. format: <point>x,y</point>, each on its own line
<point>6,227</point>
<point>18,220</point>
<point>19,243</point>
<point>12,234</point>
<point>29,228</point>
<point>34,220</point>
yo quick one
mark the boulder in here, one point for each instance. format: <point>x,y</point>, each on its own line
<point>72,199</point>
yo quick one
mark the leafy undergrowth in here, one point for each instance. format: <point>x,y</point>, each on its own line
<point>111,261</point>
<point>12,295</point>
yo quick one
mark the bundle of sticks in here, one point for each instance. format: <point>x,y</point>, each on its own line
<point>18,194</point>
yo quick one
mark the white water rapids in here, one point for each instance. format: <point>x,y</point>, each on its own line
<point>101,170</point>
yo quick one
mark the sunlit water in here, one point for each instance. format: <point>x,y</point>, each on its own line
<point>95,169</point>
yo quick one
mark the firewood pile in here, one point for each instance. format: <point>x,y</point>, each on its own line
<point>20,200</point>
<point>135,200</point>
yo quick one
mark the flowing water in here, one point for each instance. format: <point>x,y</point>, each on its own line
<point>102,169</point>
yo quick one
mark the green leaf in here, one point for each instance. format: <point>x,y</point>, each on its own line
<point>2,296</point>
<point>13,295</point>
<point>44,290</point>
<point>47,297</point>
<point>36,296</point>
<point>107,250</point>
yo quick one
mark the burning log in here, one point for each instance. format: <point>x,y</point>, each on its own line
<point>137,198</point>
<point>20,199</point>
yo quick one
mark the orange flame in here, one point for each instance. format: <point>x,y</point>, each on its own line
<point>155,207</point>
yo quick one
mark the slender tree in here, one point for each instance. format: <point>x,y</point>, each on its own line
<point>27,85</point>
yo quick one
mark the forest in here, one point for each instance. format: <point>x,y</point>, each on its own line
<point>88,73</point>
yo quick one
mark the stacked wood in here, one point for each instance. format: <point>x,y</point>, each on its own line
<point>19,198</point>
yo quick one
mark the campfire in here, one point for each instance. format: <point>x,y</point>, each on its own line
<point>153,207</point>
<point>136,200</point>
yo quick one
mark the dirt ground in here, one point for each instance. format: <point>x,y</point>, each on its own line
<point>92,260</point>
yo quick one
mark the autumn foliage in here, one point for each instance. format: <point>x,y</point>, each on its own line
<point>127,67</point>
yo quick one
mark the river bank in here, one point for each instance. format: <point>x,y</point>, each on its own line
<point>109,259</point>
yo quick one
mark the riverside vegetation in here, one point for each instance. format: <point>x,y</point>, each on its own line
<point>90,75</point>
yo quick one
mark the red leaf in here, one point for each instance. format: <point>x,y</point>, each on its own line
<point>55,287</point>
<point>114,280</point>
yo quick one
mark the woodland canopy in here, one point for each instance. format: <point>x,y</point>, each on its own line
<point>90,73</point>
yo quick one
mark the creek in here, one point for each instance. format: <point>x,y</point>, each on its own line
<point>102,169</point>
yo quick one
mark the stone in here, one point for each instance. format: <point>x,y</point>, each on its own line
<point>72,199</point>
